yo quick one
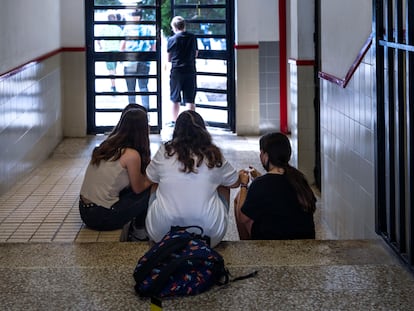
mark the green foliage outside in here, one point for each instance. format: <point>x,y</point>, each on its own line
<point>166,17</point>
<point>166,14</point>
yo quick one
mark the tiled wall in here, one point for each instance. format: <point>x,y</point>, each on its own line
<point>348,165</point>
<point>269,81</point>
<point>30,118</point>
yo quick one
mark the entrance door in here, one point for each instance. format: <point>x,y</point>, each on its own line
<point>212,23</point>
<point>123,60</point>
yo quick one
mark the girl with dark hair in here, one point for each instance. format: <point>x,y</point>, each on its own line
<point>194,181</point>
<point>126,108</point>
<point>113,190</point>
<point>278,205</point>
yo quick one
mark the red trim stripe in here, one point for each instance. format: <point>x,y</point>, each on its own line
<point>39,59</point>
<point>331,78</point>
<point>343,82</point>
<point>284,128</point>
<point>73,49</point>
<point>302,62</point>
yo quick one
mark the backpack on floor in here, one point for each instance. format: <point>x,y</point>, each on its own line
<point>182,263</point>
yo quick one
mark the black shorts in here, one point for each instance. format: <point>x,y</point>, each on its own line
<point>185,83</point>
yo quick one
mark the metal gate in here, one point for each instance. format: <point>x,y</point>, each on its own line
<point>394,26</point>
<point>119,73</point>
<point>212,23</point>
<point>123,42</point>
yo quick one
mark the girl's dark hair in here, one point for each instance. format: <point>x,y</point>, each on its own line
<point>192,143</point>
<point>277,146</point>
<point>127,108</point>
<point>132,132</point>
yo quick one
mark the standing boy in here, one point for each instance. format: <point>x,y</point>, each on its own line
<point>182,52</point>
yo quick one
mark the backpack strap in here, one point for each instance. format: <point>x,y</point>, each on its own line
<point>246,276</point>
<point>199,236</point>
<point>185,228</point>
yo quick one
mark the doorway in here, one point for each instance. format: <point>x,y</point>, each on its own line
<point>211,22</point>
<point>120,72</point>
<point>123,61</point>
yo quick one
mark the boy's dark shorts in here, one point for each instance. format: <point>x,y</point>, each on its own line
<point>185,83</point>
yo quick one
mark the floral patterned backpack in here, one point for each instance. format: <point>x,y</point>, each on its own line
<point>182,263</point>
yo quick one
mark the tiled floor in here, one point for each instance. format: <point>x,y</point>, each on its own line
<point>324,274</point>
<point>43,207</point>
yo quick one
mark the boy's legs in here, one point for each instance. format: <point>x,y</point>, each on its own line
<point>189,85</point>
<point>175,94</point>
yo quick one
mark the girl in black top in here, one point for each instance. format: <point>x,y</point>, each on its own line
<point>280,204</point>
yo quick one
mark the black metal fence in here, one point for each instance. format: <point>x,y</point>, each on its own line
<point>394,27</point>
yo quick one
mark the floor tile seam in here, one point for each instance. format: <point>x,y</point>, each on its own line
<point>18,233</point>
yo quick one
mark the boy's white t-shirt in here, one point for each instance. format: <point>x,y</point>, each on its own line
<point>187,199</point>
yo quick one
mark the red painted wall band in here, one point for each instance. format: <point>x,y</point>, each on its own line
<point>284,128</point>
<point>331,78</point>
<point>343,82</point>
<point>302,62</point>
<point>73,49</point>
<point>39,59</point>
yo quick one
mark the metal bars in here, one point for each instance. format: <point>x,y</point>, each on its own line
<point>394,23</point>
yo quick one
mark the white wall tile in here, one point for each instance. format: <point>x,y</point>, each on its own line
<point>348,167</point>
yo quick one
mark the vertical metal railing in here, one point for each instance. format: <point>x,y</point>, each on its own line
<point>394,23</point>
<point>410,131</point>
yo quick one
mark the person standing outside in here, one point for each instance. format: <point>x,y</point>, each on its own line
<point>137,67</point>
<point>110,30</point>
<point>182,52</point>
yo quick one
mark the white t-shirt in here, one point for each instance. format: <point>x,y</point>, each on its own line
<point>187,199</point>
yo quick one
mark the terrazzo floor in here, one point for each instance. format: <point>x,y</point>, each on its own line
<point>50,261</point>
<point>292,275</point>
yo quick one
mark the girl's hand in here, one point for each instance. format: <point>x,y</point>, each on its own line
<point>244,177</point>
<point>254,173</point>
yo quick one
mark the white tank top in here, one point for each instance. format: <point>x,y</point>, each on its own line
<point>102,184</point>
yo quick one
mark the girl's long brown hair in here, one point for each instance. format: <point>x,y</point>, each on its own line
<point>132,132</point>
<point>278,148</point>
<point>191,141</point>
